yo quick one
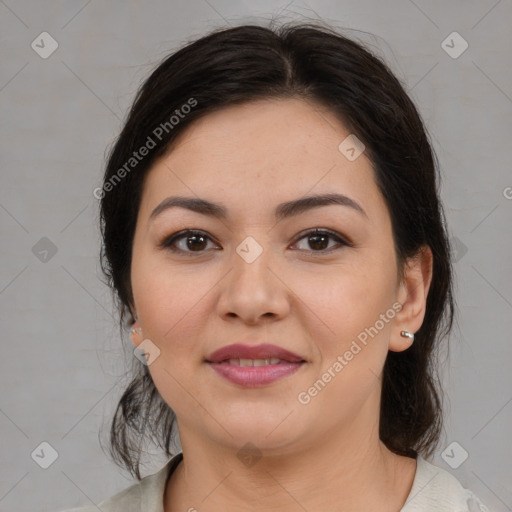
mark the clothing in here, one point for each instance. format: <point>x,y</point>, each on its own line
<point>433,490</point>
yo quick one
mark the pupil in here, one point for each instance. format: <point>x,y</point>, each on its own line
<point>317,237</point>
<point>194,237</point>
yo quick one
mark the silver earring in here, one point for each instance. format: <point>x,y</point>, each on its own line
<point>407,334</point>
<point>135,330</point>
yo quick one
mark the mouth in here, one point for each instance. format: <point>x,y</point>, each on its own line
<point>254,366</point>
<point>253,362</point>
<point>263,354</point>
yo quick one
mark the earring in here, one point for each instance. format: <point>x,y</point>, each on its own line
<point>407,334</point>
<point>135,330</point>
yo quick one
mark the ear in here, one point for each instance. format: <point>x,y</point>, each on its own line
<point>412,295</point>
<point>136,334</point>
<point>136,337</point>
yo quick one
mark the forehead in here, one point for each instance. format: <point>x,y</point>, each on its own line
<point>270,130</point>
<point>259,153</point>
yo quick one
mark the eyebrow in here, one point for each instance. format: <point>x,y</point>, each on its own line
<point>282,211</point>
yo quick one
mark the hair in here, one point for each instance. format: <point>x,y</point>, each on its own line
<point>316,63</point>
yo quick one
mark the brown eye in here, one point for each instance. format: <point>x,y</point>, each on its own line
<point>318,240</point>
<point>191,241</point>
<point>186,242</point>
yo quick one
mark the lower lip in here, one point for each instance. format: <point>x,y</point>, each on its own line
<point>255,376</point>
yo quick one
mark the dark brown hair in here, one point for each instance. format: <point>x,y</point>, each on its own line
<point>316,63</point>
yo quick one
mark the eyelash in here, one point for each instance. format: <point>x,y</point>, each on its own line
<point>168,243</point>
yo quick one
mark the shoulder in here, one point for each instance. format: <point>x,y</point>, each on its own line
<point>128,500</point>
<point>145,495</point>
<point>436,490</point>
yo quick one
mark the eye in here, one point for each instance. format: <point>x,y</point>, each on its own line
<point>195,241</point>
<point>318,240</point>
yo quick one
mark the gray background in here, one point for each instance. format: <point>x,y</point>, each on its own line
<point>63,357</point>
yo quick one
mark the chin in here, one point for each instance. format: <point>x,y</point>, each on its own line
<point>266,428</point>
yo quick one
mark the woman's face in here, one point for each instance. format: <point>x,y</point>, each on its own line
<point>255,277</point>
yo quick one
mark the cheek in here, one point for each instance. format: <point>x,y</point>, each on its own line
<point>344,301</point>
<point>351,344</point>
<point>350,340</point>
<point>169,301</point>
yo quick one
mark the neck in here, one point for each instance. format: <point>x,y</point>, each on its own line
<point>336,474</point>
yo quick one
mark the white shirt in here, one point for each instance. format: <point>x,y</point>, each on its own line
<point>433,490</point>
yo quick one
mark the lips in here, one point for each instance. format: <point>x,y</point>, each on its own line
<point>254,366</point>
<point>257,352</point>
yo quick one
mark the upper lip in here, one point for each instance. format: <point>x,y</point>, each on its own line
<point>262,351</point>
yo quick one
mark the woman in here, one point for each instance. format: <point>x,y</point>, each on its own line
<point>274,236</point>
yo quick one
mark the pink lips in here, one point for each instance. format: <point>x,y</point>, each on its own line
<point>254,376</point>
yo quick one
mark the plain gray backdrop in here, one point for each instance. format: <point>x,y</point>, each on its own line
<point>63,356</point>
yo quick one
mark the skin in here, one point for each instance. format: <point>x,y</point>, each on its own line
<point>325,455</point>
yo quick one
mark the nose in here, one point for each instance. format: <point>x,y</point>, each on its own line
<point>254,292</point>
